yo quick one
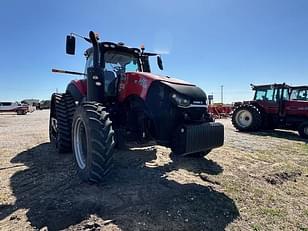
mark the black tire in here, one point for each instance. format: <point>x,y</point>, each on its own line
<point>70,107</point>
<point>303,130</point>
<point>60,122</point>
<point>252,120</point>
<point>93,141</point>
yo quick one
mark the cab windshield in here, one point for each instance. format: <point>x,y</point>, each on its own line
<point>116,64</point>
<point>120,62</point>
<point>264,94</point>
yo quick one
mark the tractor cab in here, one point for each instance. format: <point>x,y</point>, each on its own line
<point>115,60</point>
<point>271,93</point>
<point>270,98</point>
<point>108,63</point>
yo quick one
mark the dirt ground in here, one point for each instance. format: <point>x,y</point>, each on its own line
<point>254,182</point>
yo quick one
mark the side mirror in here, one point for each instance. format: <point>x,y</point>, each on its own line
<point>70,45</point>
<point>160,63</point>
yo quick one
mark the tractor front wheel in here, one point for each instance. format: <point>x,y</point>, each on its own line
<point>93,141</point>
<point>303,130</point>
<point>247,118</point>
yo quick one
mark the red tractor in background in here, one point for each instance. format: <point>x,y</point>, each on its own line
<point>121,101</point>
<point>274,106</point>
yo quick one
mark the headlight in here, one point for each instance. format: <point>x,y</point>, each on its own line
<point>180,100</point>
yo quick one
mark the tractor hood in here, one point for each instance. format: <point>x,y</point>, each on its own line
<point>167,79</point>
<point>192,92</point>
<point>182,87</point>
<point>139,83</point>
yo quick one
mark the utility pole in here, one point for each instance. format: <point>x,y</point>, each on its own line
<point>222,93</point>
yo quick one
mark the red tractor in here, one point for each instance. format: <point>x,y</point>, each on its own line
<point>274,106</point>
<point>120,101</point>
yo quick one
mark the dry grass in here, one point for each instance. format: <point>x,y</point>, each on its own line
<point>254,182</point>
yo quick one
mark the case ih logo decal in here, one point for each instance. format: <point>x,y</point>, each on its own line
<point>197,102</point>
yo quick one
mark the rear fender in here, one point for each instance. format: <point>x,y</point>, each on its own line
<point>77,89</point>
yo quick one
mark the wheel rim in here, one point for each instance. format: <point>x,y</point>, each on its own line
<point>54,125</point>
<point>306,130</point>
<point>80,143</point>
<point>244,118</point>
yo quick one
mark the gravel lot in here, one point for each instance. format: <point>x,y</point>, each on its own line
<point>254,182</point>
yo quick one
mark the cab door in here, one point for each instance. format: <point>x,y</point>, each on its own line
<point>267,98</point>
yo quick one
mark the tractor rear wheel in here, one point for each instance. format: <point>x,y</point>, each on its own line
<point>247,118</point>
<point>93,141</point>
<point>303,130</point>
<point>60,121</point>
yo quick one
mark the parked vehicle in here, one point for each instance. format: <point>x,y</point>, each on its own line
<point>219,110</point>
<point>43,104</point>
<point>120,101</point>
<point>274,106</point>
<point>20,109</point>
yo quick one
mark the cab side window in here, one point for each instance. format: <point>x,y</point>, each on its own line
<point>299,94</point>
<point>260,94</point>
<point>269,95</point>
<point>302,95</point>
<point>285,94</point>
<point>277,94</point>
<point>89,63</point>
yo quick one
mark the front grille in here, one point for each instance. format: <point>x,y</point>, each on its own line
<point>196,114</point>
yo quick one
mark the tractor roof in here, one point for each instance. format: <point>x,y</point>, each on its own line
<point>114,46</point>
<point>267,86</point>
<point>120,47</point>
<point>300,87</point>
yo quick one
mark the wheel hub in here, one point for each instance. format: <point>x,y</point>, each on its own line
<point>80,143</point>
<point>244,118</point>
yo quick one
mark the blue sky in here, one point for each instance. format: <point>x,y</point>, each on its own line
<point>207,42</point>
